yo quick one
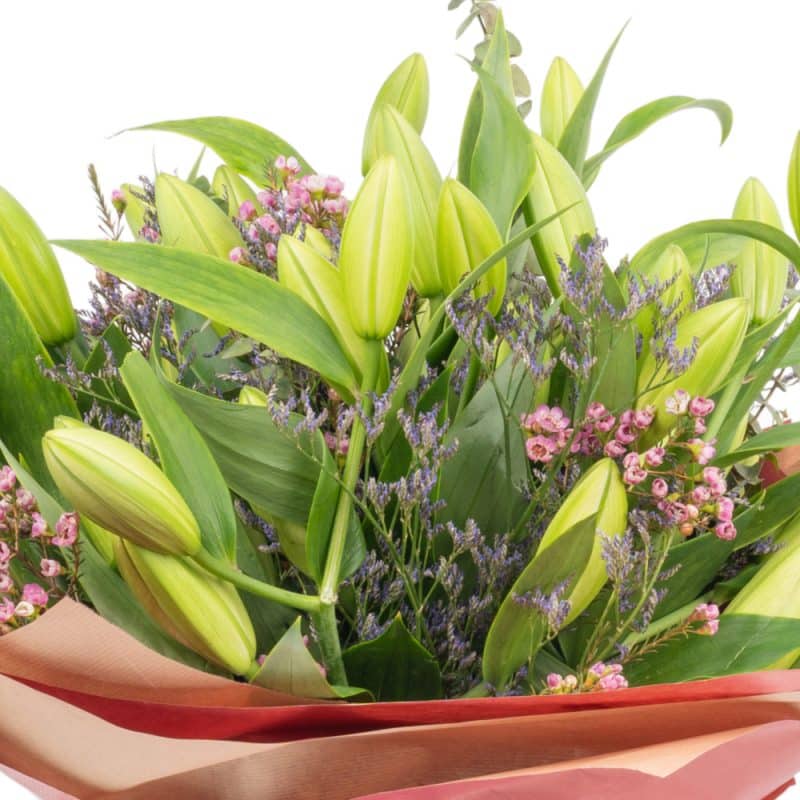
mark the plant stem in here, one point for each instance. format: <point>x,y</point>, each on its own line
<point>328,640</point>
<point>220,568</point>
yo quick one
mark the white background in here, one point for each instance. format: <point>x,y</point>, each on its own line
<point>76,73</point>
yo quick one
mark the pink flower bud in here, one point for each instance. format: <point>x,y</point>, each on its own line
<point>268,223</point>
<point>280,163</point>
<point>540,448</point>
<point>34,594</point>
<point>118,200</point>
<point>709,628</point>
<point>700,426</point>
<point>38,526</point>
<point>643,418</point>
<point>701,406</point>
<point>634,475</point>
<point>8,479</point>
<point>627,417</point>
<point>25,500</point>
<point>49,568</point>
<point>631,460</point>
<point>726,531</point>
<point>6,582</point>
<point>703,451</point>
<point>700,495</point>
<point>553,681</point>
<point>333,186</point>
<point>272,251</point>
<point>7,610</point>
<point>267,199</point>
<point>247,211</point>
<point>654,457</point>
<point>314,185</point>
<point>149,234</point>
<point>659,488</point>
<point>725,509</point>
<point>292,165</point>
<point>336,206</point>
<point>626,434</point>
<point>596,411</point>
<point>238,255</point>
<point>614,449</point>
<point>66,530</point>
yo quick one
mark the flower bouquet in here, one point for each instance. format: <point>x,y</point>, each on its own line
<point>307,456</point>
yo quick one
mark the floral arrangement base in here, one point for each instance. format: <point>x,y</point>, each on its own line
<point>125,722</point>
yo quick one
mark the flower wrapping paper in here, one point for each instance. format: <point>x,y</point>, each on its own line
<point>89,712</point>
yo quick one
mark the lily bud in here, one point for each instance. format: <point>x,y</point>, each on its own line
<point>392,135</point>
<point>719,329</point>
<point>407,90</point>
<point>232,186</point>
<point>195,608</point>
<point>555,187</point>
<point>561,93</point>
<point>134,211</point>
<point>599,491</point>
<point>377,250</point>
<point>102,540</point>
<point>30,268</point>
<point>466,235</point>
<point>672,265</point>
<point>761,272</point>
<point>794,186</point>
<point>191,220</point>
<point>116,486</point>
<point>315,238</point>
<point>305,272</point>
<point>774,591</point>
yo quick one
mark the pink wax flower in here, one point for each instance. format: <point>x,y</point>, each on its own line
<point>38,526</point>
<point>247,211</point>
<point>611,683</point>
<point>726,531</point>
<point>627,417</point>
<point>606,424</point>
<point>149,234</point>
<point>314,185</point>
<point>659,488</point>
<point>267,199</point>
<point>49,568</point>
<point>701,406</point>
<point>553,681</point>
<point>631,460</point>
<point>336,206</point>
<point>6,582</point>
<point>118,200</point>
<point>626,434</point>
<point>24,609</point>
<point>540,448</point>
<point>709,628</point>
<point>701,495</point>
<point>35,595</point>
<point>7,610</point>
<point>634,475</point>
<point>654,457</point>
<point>333,186</point>
<point>615,449</point>
<point>725,509</point>
<point>704,612</point>
<point>716,482</point>
<point>596,411</point>
<point>643,418</point>
<point>238,255</point>
<point>268,223</point>
<point>678,402</point>
<point>700,426</point>
<point>703,452</point>
<point>25,500</point>
<point>272,251</point>
<point>66,530</point>
<point>8,479</point>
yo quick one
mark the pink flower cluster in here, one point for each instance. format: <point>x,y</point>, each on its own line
<point>312,199</point>
<point>600,677</point>
<point>708,615</point>
<point>550,433</point>
<point>20,521</point>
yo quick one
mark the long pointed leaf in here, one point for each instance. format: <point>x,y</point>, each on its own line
<point>246,147</point>
<point>229,294</point>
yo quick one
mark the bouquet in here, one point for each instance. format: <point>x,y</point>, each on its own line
<point>423,442</point>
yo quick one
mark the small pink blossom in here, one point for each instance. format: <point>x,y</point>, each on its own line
<point>659,488</point>
<point>606,424</point>
<point>631,460</point>
<point>540,448</point>
<point>8,479</point>
<point>314,185</point>
<point>547,420</point>
<point>626,434</point>
<point>654,457</point>
<point>700,426</point>
<point>643,418</point>
<point>238,255</point>
<point>709,628</point>
<point>149,234</point>
<point>704,612</point>
<point>118,200</point>
<point>35,594</point>
<point>614,449</point>
<point>272,251</point>
<point>6,582</point>
<point>701,495</point>
<point>267,199</point>
<point>703,451</point>
<point>611,683</point>
<point>253,233</point>
<point>25,500</point>
<point>66,530</point>
<point>292,165</point>
<point>725,509</point>
<point>726,531</point>
<point>247,211</point>
<point>634,475</point>
<point>333,186</point>
<point>678,402</point>
<point>553,681</point>
<point>24,609</point>
<point>38,526</point>
<point>596,411</point>
<point>336,206</point>
<point>49,568</point>
<point>627,417</point>
<point>7,610</point>
<point>701,406</point>
<point>269,224</point>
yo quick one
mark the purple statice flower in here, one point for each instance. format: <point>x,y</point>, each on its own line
<point>552,606</point>
<point>710,284</point>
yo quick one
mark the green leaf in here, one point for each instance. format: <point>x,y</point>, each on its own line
<point>184,456</point>
<point>28,400</point>
<point>229,294</point>
<point>291,669</point>
<point>517,632</point>
<point>574,141</point>
<point>767,442</point>
<point>259,462</point>
<point>395,666</point>
<point>768,512</point>
<point>691,238</point>
<point>106,590</point>
<point>744,643</point>
<point>482,480</point>
<point>503,159</point>
<point>320,524</point>
<point>246,147</point>
<point>639,120</point>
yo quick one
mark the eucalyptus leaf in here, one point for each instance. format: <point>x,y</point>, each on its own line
<point>394,666</point>
<point>248,148</point>
<point>230,294</point>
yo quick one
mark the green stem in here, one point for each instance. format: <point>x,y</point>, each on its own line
<point>329,645</point>
<point>220,568</point>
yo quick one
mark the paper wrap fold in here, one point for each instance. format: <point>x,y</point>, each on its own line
<point>92,713</point>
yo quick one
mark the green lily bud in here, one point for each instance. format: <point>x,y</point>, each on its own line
<point>719,330</point>
<point>134,211</point>
<point>315,238</point>
<point>794,186</point>
<point>377,250</point>
<point>102,540</point>
<point>761,272</point>
<point>561,92</point>
<point>555,187</point>
<point>198,610</point>
<point>407,90</point>
<point>599,491</point>
<point>119,488</point>
<point>30,268</point>
<point>191,220</point>
<point>231,185</point>
<point>774,591</point>
<point>391,134</point>
<point>672,265</point>
<point>305,272</point>
<point>466,235</point>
